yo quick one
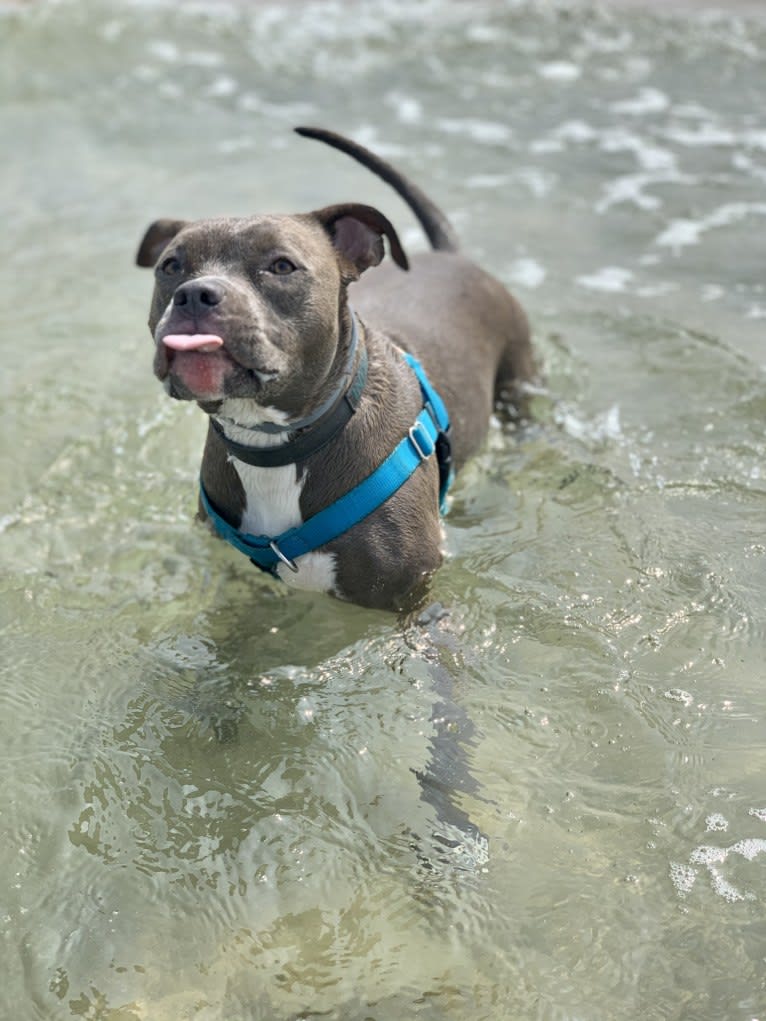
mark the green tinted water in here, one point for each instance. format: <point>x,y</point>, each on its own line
<point>209,803</point>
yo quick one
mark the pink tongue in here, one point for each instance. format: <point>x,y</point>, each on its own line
<point>192,341</point>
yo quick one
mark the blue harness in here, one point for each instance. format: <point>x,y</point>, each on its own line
<point>428,435</point>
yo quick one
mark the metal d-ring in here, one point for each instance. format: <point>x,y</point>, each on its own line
<point>285,560</point>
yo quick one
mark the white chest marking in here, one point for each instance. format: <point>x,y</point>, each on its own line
<point>272,506</point>
<point>272,500</point>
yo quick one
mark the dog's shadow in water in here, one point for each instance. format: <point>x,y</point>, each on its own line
<point>242,646</point>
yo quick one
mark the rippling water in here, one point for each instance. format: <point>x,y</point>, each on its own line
<point>210,805</point>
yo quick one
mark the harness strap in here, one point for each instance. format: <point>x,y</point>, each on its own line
<point>438,409</point>
<point>267,552</point>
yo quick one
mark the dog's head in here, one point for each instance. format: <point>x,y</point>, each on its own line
<point>254,308</point>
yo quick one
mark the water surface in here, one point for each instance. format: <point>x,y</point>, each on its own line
<point>210,805</point>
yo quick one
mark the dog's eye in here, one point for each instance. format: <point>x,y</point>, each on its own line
<point>281,267</point>
<point>170,266</point>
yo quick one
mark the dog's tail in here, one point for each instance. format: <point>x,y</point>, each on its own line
<point>433,221</point>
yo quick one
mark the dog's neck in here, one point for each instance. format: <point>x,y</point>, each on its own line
<point>242,422</point>
<point>278,441</point>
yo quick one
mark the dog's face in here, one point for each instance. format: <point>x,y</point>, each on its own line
<point>251,308</point>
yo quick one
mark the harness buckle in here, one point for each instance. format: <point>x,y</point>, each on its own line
<point>285,560</point>
<point>421,441</point>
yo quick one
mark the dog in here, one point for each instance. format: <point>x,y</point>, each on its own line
<point>335,426</point>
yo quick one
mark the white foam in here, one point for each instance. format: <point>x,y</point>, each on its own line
<point>7,520</point>
<point>610,278</point>
<point>408,109</point>
<point>649,157</point>
<point>679,695</point>
<point>755,139</point>
<point>725,889</point>
<point>629,188</point>
<point>692,110</point>
<point>222,87</point>
<point>526,273</point>
<point>683,877</point>
<point>165,50</point>
<point>486,180</point>
<point>704,135</point>
<point>684,232</point>
<point>708,855</point>
<point>680,234</point>
<point>483,33</point>
<point>742,162</point>
<point>485,132</point>
<point>604,427</point>
<point>648,100</point>
<point>559,71</point>
<point>305,710</point>
<point>575,131</point>
<point>750,848</point>
<point>713,857</point>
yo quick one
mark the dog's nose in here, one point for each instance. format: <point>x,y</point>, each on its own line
<point>199,296</point>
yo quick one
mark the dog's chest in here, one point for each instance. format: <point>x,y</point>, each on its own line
<point>272,506</point>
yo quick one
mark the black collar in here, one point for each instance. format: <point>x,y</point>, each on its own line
<point>314,432</point>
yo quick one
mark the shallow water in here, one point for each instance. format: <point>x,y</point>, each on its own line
<point>209,805</point>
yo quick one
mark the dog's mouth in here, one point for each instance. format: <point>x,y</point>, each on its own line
<point>198,366</point>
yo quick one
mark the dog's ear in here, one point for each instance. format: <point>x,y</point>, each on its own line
<point>357,233</point>
<point>156,240</point>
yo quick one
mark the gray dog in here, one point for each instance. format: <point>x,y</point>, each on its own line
<point>333,431</point>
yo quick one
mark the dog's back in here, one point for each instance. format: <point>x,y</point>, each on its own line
<point>447,310</point>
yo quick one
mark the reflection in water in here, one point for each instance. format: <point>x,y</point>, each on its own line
<point>222,799</point>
